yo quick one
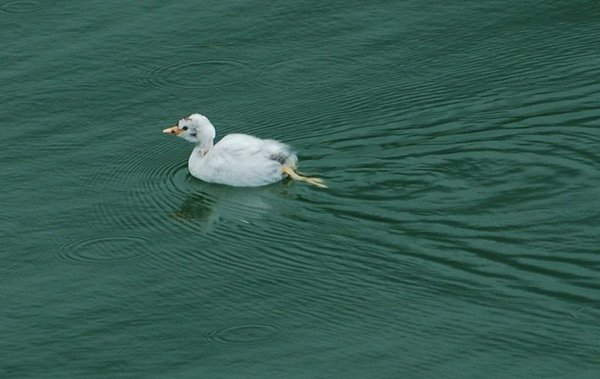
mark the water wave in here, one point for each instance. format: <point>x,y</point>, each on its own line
<point>215,74</point>
<point>245,334</point>
<point>23,7</point>
<point>106,250</point>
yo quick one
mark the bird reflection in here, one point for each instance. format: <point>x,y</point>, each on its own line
<point>211,202</point>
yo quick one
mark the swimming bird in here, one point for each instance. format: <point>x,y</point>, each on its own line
<point>238,160</point>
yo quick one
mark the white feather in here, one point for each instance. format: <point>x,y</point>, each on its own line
<point>237,159</point>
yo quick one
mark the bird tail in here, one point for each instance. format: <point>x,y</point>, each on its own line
<point>292,173</point>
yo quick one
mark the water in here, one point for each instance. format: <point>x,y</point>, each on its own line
<point>459,236</point>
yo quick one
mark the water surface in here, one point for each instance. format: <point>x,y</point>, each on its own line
<point>458,237</point>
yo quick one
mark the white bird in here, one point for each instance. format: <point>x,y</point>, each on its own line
<point>237,160</point>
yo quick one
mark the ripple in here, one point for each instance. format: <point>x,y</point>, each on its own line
<point>22,7</point>
<point>113,249</point>
<point>486,189</point>
<point>153,184</point>
<point>14,262</point>
<point>155,191</point>
<point>246,334</point>
<point>213,74</point>
<point>10,269</point>
<point>587,314</point>
<point>311,69</point>
<point>190,67</point>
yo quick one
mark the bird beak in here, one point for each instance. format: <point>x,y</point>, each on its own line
<point>173,130</point>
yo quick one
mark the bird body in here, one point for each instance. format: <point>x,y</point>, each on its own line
<point>239,160</point>
<point>242,160</point>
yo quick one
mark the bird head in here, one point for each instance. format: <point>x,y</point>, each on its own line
<point>194,128</point>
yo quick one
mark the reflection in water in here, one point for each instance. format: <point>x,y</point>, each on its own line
<point>209,202</point>
<point>196,206</point>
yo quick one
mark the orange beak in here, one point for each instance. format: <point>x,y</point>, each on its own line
<point>173,130</point>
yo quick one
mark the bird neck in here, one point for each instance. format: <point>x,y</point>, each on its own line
<point>204,147</point>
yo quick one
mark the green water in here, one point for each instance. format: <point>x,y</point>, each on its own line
<point>458,238</point>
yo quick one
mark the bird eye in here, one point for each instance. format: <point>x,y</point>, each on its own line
<point>185,128</point>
